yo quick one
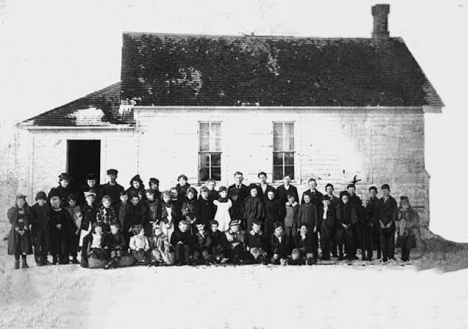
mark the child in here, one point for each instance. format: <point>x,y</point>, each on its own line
<point>139,245</point>
<point>253,207</point>
<point>203,243</point>
<point>135,215</point>
<point>182,186</point>
<point>373,213</point>
<point>304,244</point>
<point>237,208</point>
<point>63,190</point>
<point>212,193</point>
<point>218,243</point>
<point>255,244</point>
<point>236,243</point>
<point>168,215</point>
<point>19,238</point>
<point>162,252</point>
<point>296,258</point>
<point>182,241</point>
<point>206,208</point>
<point>388,210</point>
<point>190,209</point>
<point>347,227</point>
<point>407,225</point>
<point>366,231</point>
<point>153,207</point>
<point>154,185</point>
<point>96,242</point>
<point>60,225</point>
<point>40,228</point>
<point>223,204</point>
<point>273,214</point>
<point>114,244</point>
<point>90,210</point>
<point>291,212</point>
<point>327,229</point>
<point>279,245</point>
<point>308,214</point>
<point>77,218</point>
<point>177,201</point>
<point>106,214</point>
<point>122,208</point>
<point>111,188</point>
<point>90,186</point>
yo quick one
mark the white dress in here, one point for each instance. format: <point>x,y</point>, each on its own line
<point>222,214</point>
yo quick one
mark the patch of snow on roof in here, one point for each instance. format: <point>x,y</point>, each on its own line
<point>88,117</point>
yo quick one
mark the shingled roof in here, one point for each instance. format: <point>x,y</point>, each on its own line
<point>98,109</point>
<point>207,70</point>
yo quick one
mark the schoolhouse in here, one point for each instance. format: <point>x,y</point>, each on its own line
<point>209,105</point>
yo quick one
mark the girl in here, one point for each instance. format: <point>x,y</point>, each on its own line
<point>63,190</point>
<point>407,225</point>
<point>60,227</point>
<point>168,215</point>
<point>154,185</point>
<point>346,227</point>
<point>161,250</point>
<point>139,245</point>
<point>182,186</point>
<point>77,218</point>
<point>253,207</point>
<point>223,204</point>
<point>19,238</point>
<point>96,241</point>
<point>90,210</point>
<point>106,214</point>
<point>136,185</point>
<point>177,201</point>
<point>190,209</point>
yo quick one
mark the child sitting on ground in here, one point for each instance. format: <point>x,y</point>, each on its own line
<point>162,253</point>
<point>218,244</point>
<point>203,243</point>
<point>304,243</point>
<point>182,241</point>
<point>255,244</point>
<point>139,245</point>
<point>236,243</point>
<point>279,245</point>
<point>96,242</point>
<point>407,225</point>
<point>114,244</point>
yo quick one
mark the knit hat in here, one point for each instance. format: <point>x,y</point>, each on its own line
<point>41,196</point>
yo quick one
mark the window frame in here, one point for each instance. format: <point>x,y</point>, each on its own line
<point>209,152</point>
<point>293,152</point>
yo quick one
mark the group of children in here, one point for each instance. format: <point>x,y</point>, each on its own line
<point>238,224</point>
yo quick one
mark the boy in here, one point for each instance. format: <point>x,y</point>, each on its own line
<point>182,241</point>
<point>286,189</point>
<point>279,245</point>
<point>407,225</point>
<point>60,225</point>
<point>308,213</point>
<point>206,210</point>
<point>77,219</point>
<point>153,207</point>
<point>327,229</point>
<point>218,243</point>
<point>112,188</point>
<point>314,194</point>
<point>290,216</point>
<point>255,244</point>
<point>372,210</point>
<point>235,243</point>
<point>106,214</point>
<point>334,203</point>
<point>139,245</point>
<point>203,245</point>
<point>347,223</point>
<point>114,244</point>
<point>388,210</point>
<point>122,209</point>
<point>253,208</point>
<point>40,228</point>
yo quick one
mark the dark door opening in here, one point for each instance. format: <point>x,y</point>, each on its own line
<point>84,156</point>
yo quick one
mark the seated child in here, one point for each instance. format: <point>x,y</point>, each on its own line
<point>255,244</point>
<point>304,243</point>
<point>77,217</point>
<point>223,204</point>
<point>106,214</point>
<point>182,241</point>
<point>203,243</point>
<point>162,253</point>
<point>139,245</point>
<point>236,243</point>
<point>96,241</point>
<point>296,258</point>
<point>114,244</point>
<point>407,225</point>
<point>279,245</point>
<point>218,244</point>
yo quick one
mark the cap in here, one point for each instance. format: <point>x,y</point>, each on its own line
<point>404,198</point>
<point>41,196</point>
<point>112,172</point>
<point>154,180</point>
<point>235,222</point>
<point>89,193</point>
<point>20,196</point>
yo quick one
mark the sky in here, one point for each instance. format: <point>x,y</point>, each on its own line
<point>54,51</point>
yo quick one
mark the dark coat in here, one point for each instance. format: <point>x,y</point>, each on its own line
<point>305,246</point>
<point>113,191</point>
<point>59,238</point>
<point>273,214</point>
<point>165,214</point>
<point>212,195</point>
<point>153,210</point>
<point>283,193</point>
<point>218,239</point>
<point>253,210</point>
<point>280,248</point>
<point>135,215</point>
<point>308,214</point>
<point>206,211</point>
<point>190,209</point>
<point>114,241</point>
<point>264,195</point>
<point>242,190</point>
<point>316,198</point>
<point>63,193</point>
<point>327,229</point>
<point>185,237</point>
<point>295,212</point>
<point>237,209</point>
<point>89,216</point>
<point>388,209</point>
<point>122,214</point>
<point>203,242</point>
<point>106,217</point>
<point>255,240</point>
<point>39,217</point>
<point>346,214</point>
<point>17,243</point>
<point>182,190</point>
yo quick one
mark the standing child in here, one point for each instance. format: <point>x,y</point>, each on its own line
<point>223,204</point>
<point>19,238</point>
<point>273,214</point>
<point>407,225</point>
<point>206,208</point>
<point>253,208</point>
<point>327,229</point>
<point>190,209</point>
<point>182,240</point>
<point>304,244</point>
<point>366,231</point>
<point>308,215</point>
<point>153,206</point>
<point>122,209</point>
<point>182,186</point>
<point>235,238</point>
<point>168,215</point>
<point>373,213</point>
<point>154,185</point>
<point>114,244</point>
<point>40,228</point>
<point>177,201</point>
<point>60,225</point>
<point>212,193</point>
<point>291,211</point>
<point>218,243</point>
<point>162,252</point>
<point>203,244</point>
<point>139,245</point>
<point>347,222</point>
<point>279,245</point>
<point>388,210</point>
<point>106,214</point>
<point>255,244</point>
<point>135,215</point>
<point>90,210</point>
<point>77,218</point>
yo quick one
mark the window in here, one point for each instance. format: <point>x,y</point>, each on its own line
<point>283,150</point>
<point>209,155</point>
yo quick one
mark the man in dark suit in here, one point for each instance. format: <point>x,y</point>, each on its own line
<point>286,189</point>
<point>242,190</point>
<point>112,188</point>
<point>263,187</point>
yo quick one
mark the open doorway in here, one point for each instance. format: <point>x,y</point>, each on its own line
<point>84,156</point>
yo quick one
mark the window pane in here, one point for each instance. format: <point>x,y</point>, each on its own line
<point>204,137</point>
<point>289,170</point>
<point>289,137</point>
<point>277,136</point>
<point>216,159</point>
<point>216,137</point>
<point>203,174</point>
<point>289,159</point>
<point>277,173</point>
<point>216,173</point>
<point>277,159</point>
<point>204,160</point>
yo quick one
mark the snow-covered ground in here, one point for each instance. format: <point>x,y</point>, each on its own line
<point>326,296</point>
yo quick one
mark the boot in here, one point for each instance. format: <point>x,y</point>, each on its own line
<point>24,264</point>
<point>75,260</point>
<point>16,264</point>
<point>54,260</point>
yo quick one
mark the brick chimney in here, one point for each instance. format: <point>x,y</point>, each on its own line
<point>380,13</point>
